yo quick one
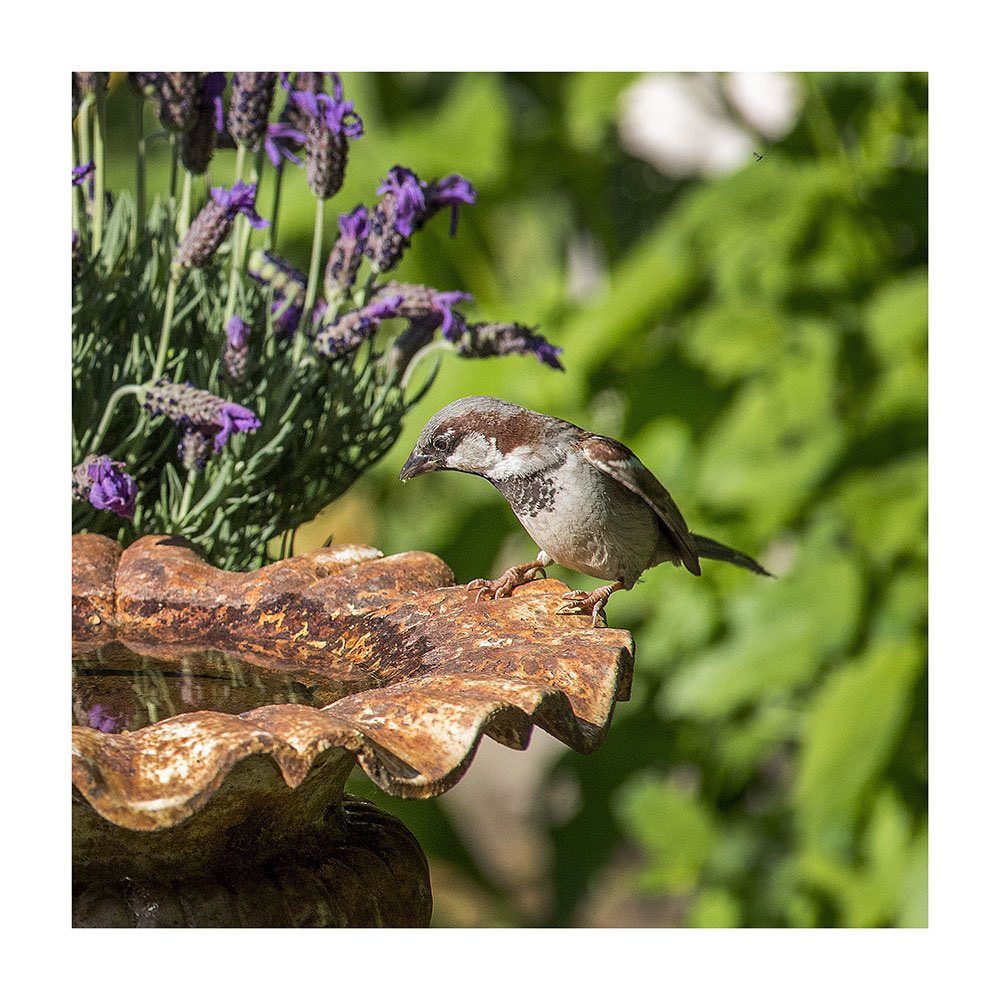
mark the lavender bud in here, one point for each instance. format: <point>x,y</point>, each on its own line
<point>326,160</point>
<point>195,448</point>
<point>309,83</point>
<point>331,122</point>
<point>199,409</point>
<point>105,485</point>
<point>176,100</point>
<point>345,257</point>
<point>421,302</point>
<point>351,330</point>
<point>236,355</point>
<point>198,143</point>
<point>250,106</point>
<point>214,222</point>
<point>494,340</point>
<point>393,218</point>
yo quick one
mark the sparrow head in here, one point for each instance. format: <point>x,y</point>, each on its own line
<point>484,436</point>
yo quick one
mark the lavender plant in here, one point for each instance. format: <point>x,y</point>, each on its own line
<point>219,392</point>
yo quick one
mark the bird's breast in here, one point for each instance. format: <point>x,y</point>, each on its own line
<point>585,520</point>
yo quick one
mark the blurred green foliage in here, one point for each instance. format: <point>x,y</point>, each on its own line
<point>760,340</point>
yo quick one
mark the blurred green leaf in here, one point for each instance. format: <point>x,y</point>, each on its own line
<point>783,631</point>
<point>887,508</point>
<point>849,735</point>
<point>672,826</point>
<point>779,436</point>
<point>715,908</point>
<point>592,105</point>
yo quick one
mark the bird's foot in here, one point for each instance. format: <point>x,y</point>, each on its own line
<point>506,582</point>
<point>592,601</point>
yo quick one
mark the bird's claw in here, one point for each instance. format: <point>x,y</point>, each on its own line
<point>505,584</point>
<point>583,600</point>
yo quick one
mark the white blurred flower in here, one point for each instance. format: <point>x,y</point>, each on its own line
<point>770,102</point>
<point>681,124</point>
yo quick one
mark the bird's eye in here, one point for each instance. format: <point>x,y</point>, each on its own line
<point>439,443</point>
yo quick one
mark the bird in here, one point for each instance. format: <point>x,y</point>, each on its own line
<point>585,499</point>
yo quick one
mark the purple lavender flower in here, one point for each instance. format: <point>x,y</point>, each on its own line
<point>494,340</point>
<point>350,331</point>
<point>421,302</point>
<point>176,99</point>
<point>106,485</point>
<point>239,198</point>
<point>345,257</point>
<point>336,114</point>
<point>250,106</point>
<point>453,190</point>
<point>199,409</point>
<point>236,353</point>
<point>198,143</point>
<point>214,223</point>
<point>280,141</point>
<point>407,203</point>
<point>235,419</point>
<point>82,172</point>
<point>406,191</point>
<point>329,123</point>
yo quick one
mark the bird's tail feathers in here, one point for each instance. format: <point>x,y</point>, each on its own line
<point>708,548</point>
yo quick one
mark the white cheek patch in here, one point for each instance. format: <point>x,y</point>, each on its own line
<point>478,453</point>
<point>475,452</point>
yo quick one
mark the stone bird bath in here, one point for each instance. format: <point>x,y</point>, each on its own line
<point>219,715</point>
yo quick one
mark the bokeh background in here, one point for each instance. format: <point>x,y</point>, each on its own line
<point>735,266</point>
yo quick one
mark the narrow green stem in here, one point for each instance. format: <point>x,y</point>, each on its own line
<point>140,172</point>
<point>425,351</point>
<point>173,165</point>
<point>99,128</point>
<point>317,249</point>
<point>77,194</point>
<point>168,319</point>
<point>184,215</point>
<point>236,246</point>
<point>272,230</point>
<point>83,136</point>
<point>102,427</point>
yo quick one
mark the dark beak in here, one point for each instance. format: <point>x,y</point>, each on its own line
<point>417,465</point>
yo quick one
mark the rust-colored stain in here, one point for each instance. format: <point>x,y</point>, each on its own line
<point>432,671</point>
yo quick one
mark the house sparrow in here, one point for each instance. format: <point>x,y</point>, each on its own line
<point>586,500</point>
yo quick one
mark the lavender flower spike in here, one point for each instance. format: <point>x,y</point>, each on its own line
<point>395,217</point>
<point>250,106</point>
<point>351,330</point>
<point>198,143</point>
<point>329,123</point>
<point>106,485</point>
<point>236,354</point>
<point>199,409</point>
<point>494,340</point>
<point>345,257</point>
<point>214,223</point>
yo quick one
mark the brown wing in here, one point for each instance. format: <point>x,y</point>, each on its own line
<point>617,461</point>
